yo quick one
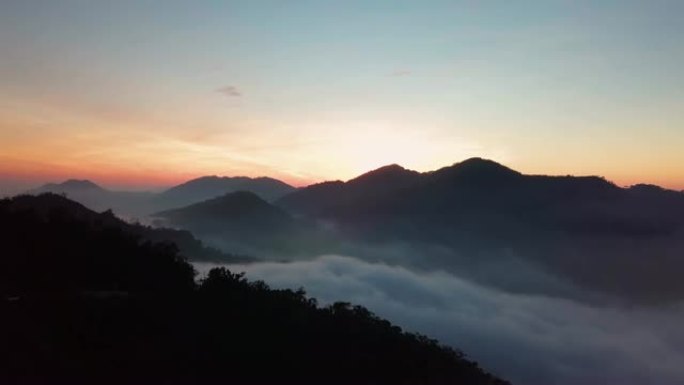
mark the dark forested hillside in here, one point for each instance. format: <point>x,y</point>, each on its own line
<point>84,300</point>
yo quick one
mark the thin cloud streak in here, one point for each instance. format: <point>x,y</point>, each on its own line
<point>402,73</point>
<point>230,91</point>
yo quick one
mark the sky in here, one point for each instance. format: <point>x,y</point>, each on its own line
<point>145,94</point>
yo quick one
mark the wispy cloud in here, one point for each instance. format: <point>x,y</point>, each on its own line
<point>230,91</point>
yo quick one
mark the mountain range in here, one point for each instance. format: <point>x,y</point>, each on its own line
<point>476,191</point>
<point>585,231</point>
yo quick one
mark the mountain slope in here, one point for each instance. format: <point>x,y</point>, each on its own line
<point>85,302</point>
<point>241,222</point>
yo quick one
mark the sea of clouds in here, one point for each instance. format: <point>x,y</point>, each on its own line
<point>525,338</point>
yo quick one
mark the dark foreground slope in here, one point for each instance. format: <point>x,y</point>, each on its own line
<point>53,204</point>
<point>85,301</point>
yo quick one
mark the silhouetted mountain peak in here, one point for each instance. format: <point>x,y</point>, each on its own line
<point>646,188</point>
<point>483,165</point>
<point>386,173</point>
<point>389,168</point>
<point>477,169</point>
<point>72,184</point>
<point>216,179</point>
<point>206,178</point>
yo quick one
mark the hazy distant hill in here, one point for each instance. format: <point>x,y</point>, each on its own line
<point>240,211</point>
<point>242,222</point>
<point>139,204</point>
<point>72,185</point>
<point>85,300</point>
<point>207,187</point>
<point>125,203</point>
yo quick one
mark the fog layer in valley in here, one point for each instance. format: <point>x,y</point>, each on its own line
<point>529,339</point>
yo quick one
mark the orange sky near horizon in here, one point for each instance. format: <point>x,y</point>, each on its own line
<point>44,141</point>
<point>152,177</point>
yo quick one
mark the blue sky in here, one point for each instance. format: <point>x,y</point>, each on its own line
<point>313,90</point>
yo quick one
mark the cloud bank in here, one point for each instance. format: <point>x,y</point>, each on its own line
<point>528,339</point>
<point>229,91</point>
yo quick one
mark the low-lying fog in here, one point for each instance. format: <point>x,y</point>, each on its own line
<point>527,338</point>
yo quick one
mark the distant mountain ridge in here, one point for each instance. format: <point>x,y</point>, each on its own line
<point>71,185</point>
<point>477,181</point>
<point>479,192</point>
<point>140,204</point>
